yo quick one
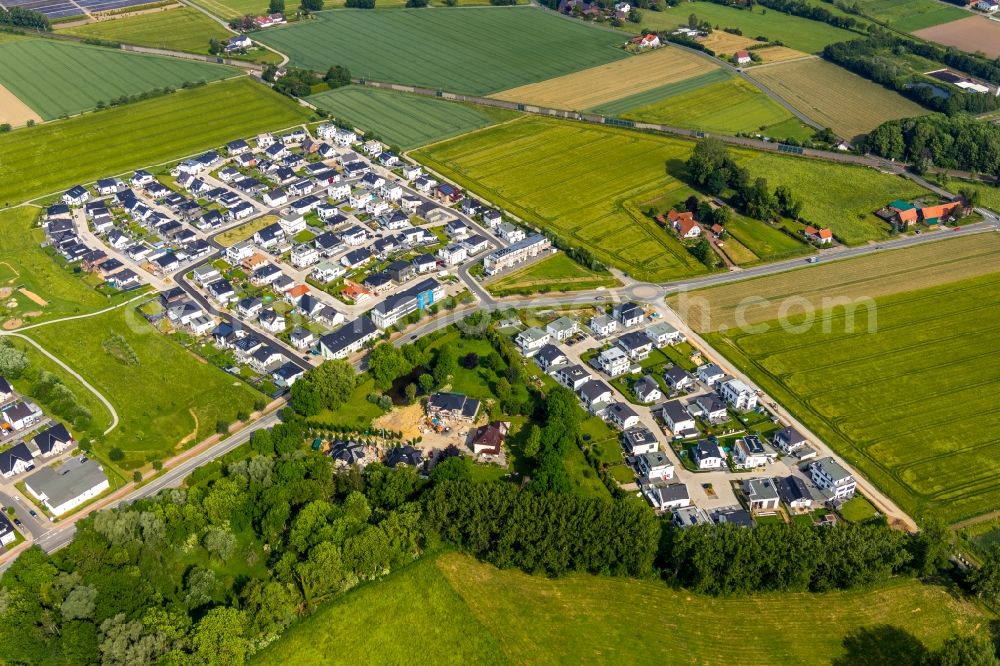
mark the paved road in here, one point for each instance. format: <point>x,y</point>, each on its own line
<point>53,537</point>
<point>34,526</point>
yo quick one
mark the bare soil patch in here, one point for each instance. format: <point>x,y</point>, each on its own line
<point>976,33</point>
<point>780,54</point>
<point>5,292</point>
<point>724,43</point>
<point>407,420</point>
<point>11,324</point>
<point>14,111</point>
<point>35,298</point>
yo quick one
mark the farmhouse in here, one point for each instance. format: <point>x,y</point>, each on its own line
<point>822,236</point>
<point>742,57</point>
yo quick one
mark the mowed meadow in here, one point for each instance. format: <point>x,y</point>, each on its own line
<point>899,385</point>
<point>60,78</point>
<point>583,182</point>
<point>181,28</point>
<point>473,50</point>
<point>404,119</point>
<point>470,612</point>
<point>144,133</point>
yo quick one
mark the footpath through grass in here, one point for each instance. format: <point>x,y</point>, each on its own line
<point>162,392</point>
<point>403,119</point>
<point>475,50</point>
<point>179,29</point>
<point>55,156</point>
<point>901,387</point>
<point>464,611</point>
<point>62,78</point>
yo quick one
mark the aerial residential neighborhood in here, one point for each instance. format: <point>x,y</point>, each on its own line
<point>563,331</point>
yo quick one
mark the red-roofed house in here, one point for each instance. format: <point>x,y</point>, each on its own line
<point>742,57</point>
<point>906,217</point>
<point>821,236</point>
<point>684,224</point>
<point>489,439</point>
<point>650,41</point>
<point>717,230</point>
<point>296,292</point>
<point>933,214</point>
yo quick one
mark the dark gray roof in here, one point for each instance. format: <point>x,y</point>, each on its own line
<point>51,437</point>
<point>12,455</point>
<point>594,389</point>
<point>634,340</point>
<point>348,334</point>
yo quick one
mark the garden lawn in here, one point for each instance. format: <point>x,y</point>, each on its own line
<point>857,510</point>
<point>471,612</point>
<point>768,243</point>
<point>795,32</point>
<point>168,395</point>
<point>555,273</point>
<point>559,176</point>
<point>144,133</point>
<point>838,196</point>
<point>728,106</point>
<point>179,29</point>
<point>476,50</point>
<point>403,119</point>
<point>903,392</point>
<point>23,263</point>
<point>59,78</point>
<point>357,413</point>
<point>244,231</point>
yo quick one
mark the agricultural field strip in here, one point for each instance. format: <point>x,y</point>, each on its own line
<point>835,97</point>
<point>606,83</point>
<point>57,78</point>
<point>90,148</point>
<point>879,275</point>
<point>183,28</point>
<point>479,50</point>
<point>954,307</point>
<point>624,104</point>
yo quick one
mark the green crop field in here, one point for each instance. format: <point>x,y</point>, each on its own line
<point>60,78</point>
<point>181,396</point>
<point>904,393</point>
<point>654,95</point>
<point>403,119</point>
<point>838,196</point>
<point>232,9</point>
<point>476,50</point>
<point>795,32</point>
<point>180,29</point>
<point>910,15</point>
<point>728,106</point>
<point>559,175</point>
<point>556,273</point>
<point>144,133</point>
<point>469,612</point>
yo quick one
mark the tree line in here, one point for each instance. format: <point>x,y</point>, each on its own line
<point>20,17</point>
<point>951,142</point>
<point>798,8</point>
<point>712,169</point>
<point>873,58</point>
